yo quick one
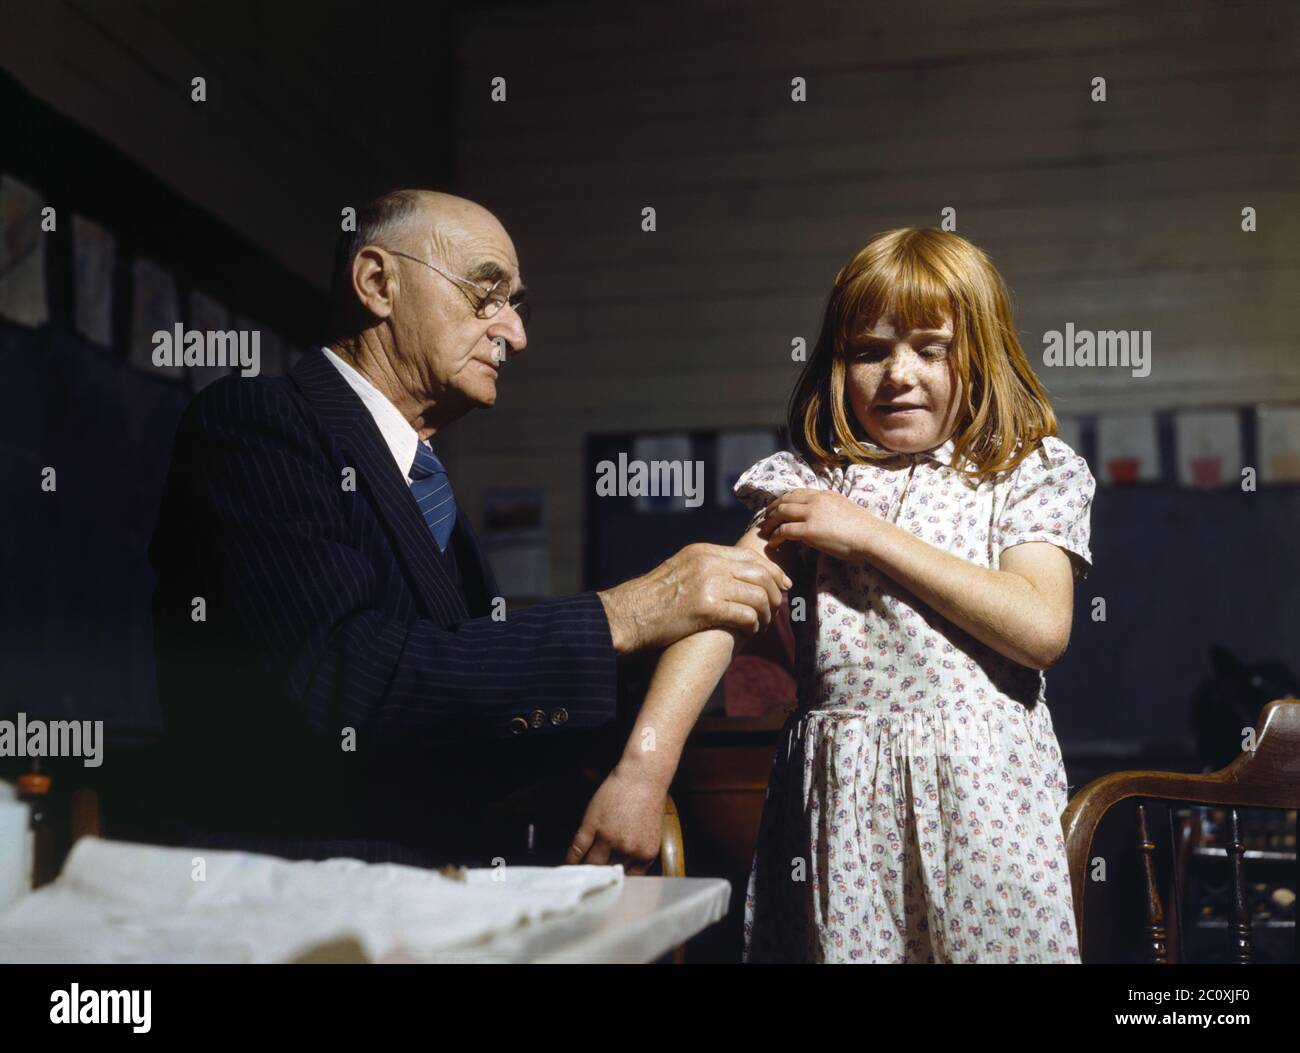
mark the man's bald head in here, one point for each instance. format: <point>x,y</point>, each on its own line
<point>454,220</point>
<point>417,222</point>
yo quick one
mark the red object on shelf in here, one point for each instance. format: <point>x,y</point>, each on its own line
<point>1207,472</point>
<point>1123,469</point>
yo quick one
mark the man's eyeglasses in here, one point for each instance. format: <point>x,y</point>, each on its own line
<point>489,301</point>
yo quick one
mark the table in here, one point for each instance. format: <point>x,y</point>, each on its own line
<point>639,921</point>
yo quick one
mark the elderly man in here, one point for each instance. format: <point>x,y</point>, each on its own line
<point>332,677</point>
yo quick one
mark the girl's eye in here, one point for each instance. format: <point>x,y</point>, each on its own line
<point>877,353</point>
<point>869,354</point>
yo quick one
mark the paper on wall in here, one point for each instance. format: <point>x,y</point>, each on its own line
<point>737,452</point>
<point>666,462</point>
<point>1070,431</point>
<point>155,307</point>
<point>93,257</point>
<point>22,254</point>
<point>1127,448</point>
<point>207,316</point>
<point>1279,444</point>
<point>514,521</point>
<point>1208,445</point>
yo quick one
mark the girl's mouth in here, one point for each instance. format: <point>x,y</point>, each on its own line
<point>898,411</point>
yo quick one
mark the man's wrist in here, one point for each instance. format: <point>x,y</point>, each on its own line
<point>623,629</point>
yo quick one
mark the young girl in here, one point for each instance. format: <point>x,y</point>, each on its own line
<point>933,526</point>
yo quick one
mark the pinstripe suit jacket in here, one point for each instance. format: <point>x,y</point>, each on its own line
<point>327,687</point>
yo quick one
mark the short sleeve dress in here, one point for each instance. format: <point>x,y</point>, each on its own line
<point>914,805</point>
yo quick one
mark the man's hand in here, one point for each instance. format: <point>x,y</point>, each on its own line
<point>623,824</point>
<point>830,523</point>
<point>701,587</point>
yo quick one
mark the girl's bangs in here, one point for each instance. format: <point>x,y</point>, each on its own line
<point>907,290</point>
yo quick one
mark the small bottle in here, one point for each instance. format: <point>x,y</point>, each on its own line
<point>42,837</point>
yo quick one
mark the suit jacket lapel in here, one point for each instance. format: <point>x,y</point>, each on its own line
<point>479,582</point>
<point>360,445</point>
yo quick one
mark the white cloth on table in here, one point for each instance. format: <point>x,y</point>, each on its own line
<point>117,902</point>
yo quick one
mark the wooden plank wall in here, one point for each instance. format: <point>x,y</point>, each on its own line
<point>1117,215</point>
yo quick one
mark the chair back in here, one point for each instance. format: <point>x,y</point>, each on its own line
<point>1267,776</point>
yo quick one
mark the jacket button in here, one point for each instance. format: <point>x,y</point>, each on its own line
<point>559,716</point>
<point>518,725</point>
<point>538,718</point>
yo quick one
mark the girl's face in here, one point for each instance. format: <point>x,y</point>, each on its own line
<point>903,387</point>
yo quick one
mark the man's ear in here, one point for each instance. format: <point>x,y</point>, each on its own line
<point>374,280</point>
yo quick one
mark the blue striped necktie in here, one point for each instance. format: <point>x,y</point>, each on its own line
<point>432,492</point>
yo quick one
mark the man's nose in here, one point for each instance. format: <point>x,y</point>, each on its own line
<point>507,324</point>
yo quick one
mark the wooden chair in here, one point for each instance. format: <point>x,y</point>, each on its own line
<point>86,815</point>
<point>672,858</point>
<point>672,854</point>
<point>1268,777</point>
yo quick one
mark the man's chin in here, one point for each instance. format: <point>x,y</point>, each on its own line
<point>467,398</point>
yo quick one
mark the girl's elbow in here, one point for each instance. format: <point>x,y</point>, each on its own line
<point>1051,647</point>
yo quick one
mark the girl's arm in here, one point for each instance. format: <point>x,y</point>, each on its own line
<point>624,821</point>
<point>1023,611</point>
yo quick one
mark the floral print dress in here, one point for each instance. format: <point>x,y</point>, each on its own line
<point>914,806</point>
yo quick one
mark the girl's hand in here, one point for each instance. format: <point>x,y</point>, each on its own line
<point>828,522</point>
<point>624,822</point>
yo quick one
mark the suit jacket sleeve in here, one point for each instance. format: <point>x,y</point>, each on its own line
<point>266,521</point>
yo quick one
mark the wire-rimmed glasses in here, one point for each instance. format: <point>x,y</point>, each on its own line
<point>490,301</point>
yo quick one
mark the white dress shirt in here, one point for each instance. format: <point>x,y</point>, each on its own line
<point>396,429</point>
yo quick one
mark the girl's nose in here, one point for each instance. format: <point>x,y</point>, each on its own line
<point>900,366</point>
